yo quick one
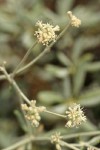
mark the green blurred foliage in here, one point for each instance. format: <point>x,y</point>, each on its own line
<point>69,73</point>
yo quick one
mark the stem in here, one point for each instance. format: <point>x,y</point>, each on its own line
<point>14,84</point>
<point>88,145</point>
<point>94,140</point>
<point>33,61</point>
<point>59,115</point>
<point>81,134</point>
<point>24,58</point>
<point>62,143</point>
<point>45,50</point>
<point>25,141</point>
<point>40,55</point>
<point>20,143</point>
<point>84,144</point>
<point>28,139</point>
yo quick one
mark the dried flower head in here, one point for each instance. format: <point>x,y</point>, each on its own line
<point>75,116</point>
<point>32,112</point>
<point>74,20</point>
<point>55,139</point>
<point>46,32</point>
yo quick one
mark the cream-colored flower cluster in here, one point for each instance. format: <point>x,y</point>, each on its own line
<point>46,32</point>
<point>74,20</point>
<point>91,148</point>
<point>55,139</point>
<point>32,112</point>
<point>75,116</point>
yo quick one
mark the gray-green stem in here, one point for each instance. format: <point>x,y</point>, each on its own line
<point>62,143</point>
<point>46,50</point>
<point>15,86</point>
<point>59,115</point>
<point>75,135</point>
<point>24,58</point>
<point>28,139</point>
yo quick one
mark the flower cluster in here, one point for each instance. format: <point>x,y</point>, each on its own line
<point>75,116</point>
<point>91,148</point>
<point>74,20</point>
<point>32,112</point>
<point>56,140</point>
<point>46,32</point>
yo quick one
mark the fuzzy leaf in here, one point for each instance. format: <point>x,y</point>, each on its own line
<point>49,97</point>
<point>90,98</point>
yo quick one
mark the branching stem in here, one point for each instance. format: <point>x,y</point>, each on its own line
<point>46,50</point>
<point>24,58</point>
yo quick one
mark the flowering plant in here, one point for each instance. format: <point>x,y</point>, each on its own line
<point>75,116</point>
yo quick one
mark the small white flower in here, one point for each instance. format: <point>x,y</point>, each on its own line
<point>74,20</point>
<point>91,148</point>
<point>75,116</point>
<point>46,32</point>
<point>32,112</point>
<point>56,140</point>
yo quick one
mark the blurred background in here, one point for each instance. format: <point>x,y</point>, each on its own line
<point>69,73</point>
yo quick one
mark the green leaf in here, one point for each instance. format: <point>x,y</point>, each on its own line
<point>64,59</point>
<point>89,126</point>
<point>83,43</point>
<point>67,89</point>
<point>91,67</point>
<point>56,71</point>
<point>79,80</point>
<point>79,76</point>
<point>49,97</point>
<point>63,6</point>
<point>90,97</point>
<point>21,120</point>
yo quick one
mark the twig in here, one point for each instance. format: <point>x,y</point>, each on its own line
<point>62,143</point>
<point>20,143</point>
<point>59,115</point>
<point>84,144</point>
<point>88,145</point>
<point>14,84</point>
<point>81,134</point>
<point>26,140</point>
<point>24,58</point>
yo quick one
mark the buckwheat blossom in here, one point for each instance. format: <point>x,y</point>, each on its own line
<point>74,20</point>
<point>91,148</point>
<point>46,32</point>
<point>75,116</point>
<point>32,112</point>
<point>55,139</point>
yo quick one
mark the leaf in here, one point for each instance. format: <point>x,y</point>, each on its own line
<point>91,67</point>
<point>79,76</point>
<point>84,43</point>
<point>63,6</point>
<point>56,71</point>
<point>64,59</point>
<point>49,97</point>
<point>90,97</point>
<point>66,85</point>
<point>89,126</point>
<point>21,120</point>
<point>78,80</point>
